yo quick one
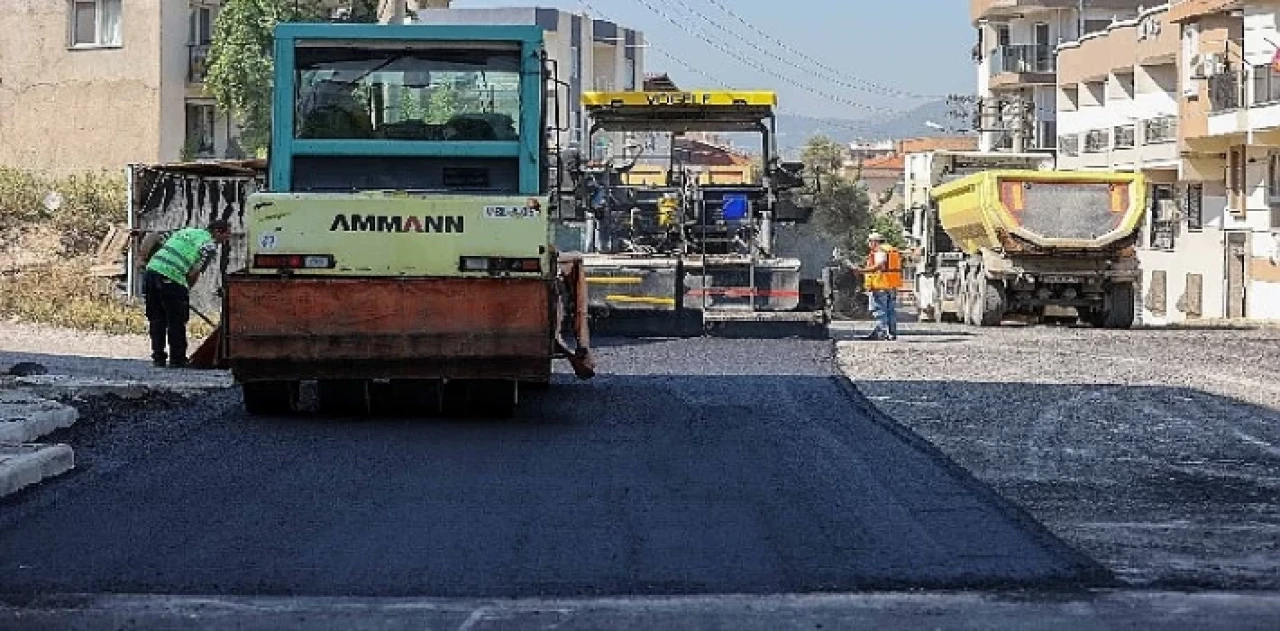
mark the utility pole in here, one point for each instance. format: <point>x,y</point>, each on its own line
<point>1080,19</point>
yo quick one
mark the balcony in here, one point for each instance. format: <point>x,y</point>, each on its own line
<point>983,9</point>
<point>988,9</point>
<point>1069,145</point>
<point>197,63</point>
<point>1160,130</point>
<point>1022,64</point>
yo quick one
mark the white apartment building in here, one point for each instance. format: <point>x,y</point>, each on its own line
<point>1016,66</point>
<point>1229,129</point>
<point>589,54</point>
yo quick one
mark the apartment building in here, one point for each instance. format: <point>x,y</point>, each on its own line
<point>1117,105</point>
<point>98,84</point>
<point>589,55</point>
<point>1016,66</point>
<point>1229,135</point>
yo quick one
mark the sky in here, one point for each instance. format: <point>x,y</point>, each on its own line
<point>908,50</point>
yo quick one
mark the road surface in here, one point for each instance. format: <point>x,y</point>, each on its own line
<point>686,467</point>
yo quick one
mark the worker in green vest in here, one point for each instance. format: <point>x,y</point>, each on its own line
<point>173,265</point>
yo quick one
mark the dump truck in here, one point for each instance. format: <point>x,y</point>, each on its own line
<point>402,249</point>
<point>1036,240</point>
<point>680,251</point>
<point>933,261</point>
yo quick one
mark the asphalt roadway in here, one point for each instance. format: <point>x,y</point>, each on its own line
<point>686,467</point>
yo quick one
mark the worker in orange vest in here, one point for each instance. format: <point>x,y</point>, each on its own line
<point>882,278</point>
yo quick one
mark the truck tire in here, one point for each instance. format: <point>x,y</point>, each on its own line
<point>1120,310</point>
<point>270,398</point>
<point>990,302</point>
<point>344,397</point>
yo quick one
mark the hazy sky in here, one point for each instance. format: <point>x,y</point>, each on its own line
<point>904,47</point>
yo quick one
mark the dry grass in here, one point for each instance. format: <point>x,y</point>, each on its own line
<point>87,205</point>
<point>44,266</point>
<point>65,295</point>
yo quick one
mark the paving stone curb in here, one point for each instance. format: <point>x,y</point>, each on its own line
<point>25,416</point>
<point>24,465</point>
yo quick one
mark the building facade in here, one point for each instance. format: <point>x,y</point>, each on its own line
<point>1016,66</point>
<point>588,54</point>
<point>1229,138</point>
<point>1118,103</point>
<point>97,84</point>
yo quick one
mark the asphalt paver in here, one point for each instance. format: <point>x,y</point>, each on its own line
<point>686,467</point>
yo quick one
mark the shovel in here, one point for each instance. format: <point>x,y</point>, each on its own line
<point>206,355</point>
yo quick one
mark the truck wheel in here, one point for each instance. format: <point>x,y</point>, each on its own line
<point>990,302</point>
<point>343,397</point>
<point>1120,311</point>
<point>270,398</point>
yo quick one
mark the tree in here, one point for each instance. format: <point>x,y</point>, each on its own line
<point>842,206</point>
<point>240,64</point>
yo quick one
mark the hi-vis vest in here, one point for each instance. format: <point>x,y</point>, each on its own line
<point>891,278</point>
<point>179,254</point>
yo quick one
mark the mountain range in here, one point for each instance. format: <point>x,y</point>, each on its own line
<point>795,131</point>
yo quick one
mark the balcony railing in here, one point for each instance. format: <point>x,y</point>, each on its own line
<point>1266,85</point>
<point>1124,136</point>
<point>1022,58</point>
<point>1225,91</point>
<point>1159,130</point>
<point>1096,141</point>
<point>1069,145</point>
<point>197,63</point>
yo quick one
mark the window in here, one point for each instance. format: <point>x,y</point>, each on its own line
<point>201,31</point>
<point>1094,26</point>
<point>425,94</point>
<point>201,120</point>
<point>1163,217</point>
<point>1193,206</point>
<point>1236,179</point>
<point>631,73</point>
<point>1002,35</point>
<point>95,23</point>
<point>1041,34</point>
<point>1273,176</point>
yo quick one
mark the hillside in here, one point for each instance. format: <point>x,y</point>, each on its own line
<point>794,131</point>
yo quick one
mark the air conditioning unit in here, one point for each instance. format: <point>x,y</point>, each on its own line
<point>1197,67</point>
<point>1212,65</point>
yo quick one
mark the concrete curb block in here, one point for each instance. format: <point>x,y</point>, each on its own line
<point>24,465</point>
<point>24,417</point>
<point>63,387</point>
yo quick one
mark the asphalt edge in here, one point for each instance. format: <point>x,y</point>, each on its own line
<point>46,461</point>
<point>1092,573</point>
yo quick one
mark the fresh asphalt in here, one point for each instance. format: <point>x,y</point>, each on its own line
<point>686,467</point>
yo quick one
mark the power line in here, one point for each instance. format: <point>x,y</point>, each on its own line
<point>853,83</point>
<point>714,43</point>
<point>847,125</point>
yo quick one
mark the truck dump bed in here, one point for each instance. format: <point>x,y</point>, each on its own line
<point>1041,211</point>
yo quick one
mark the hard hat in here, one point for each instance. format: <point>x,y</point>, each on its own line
<point>875,236</point>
